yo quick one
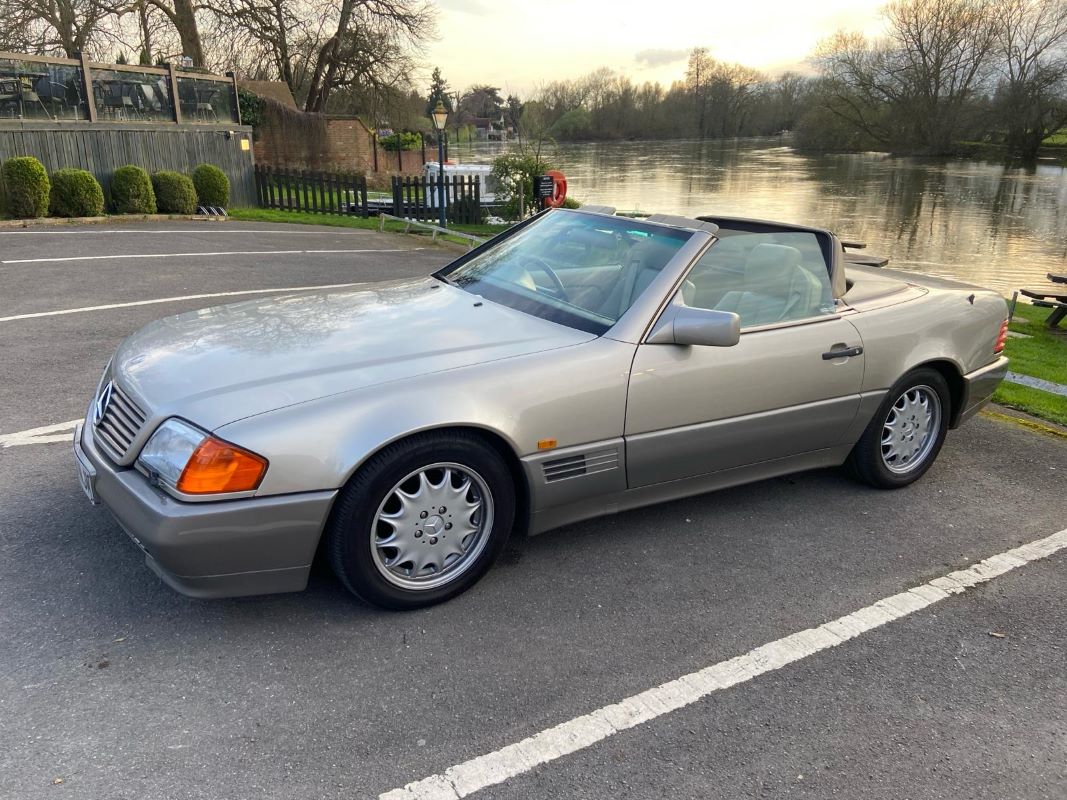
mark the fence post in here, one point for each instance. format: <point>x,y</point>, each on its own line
<point>477,202</point>
<point>265,174</point>
<point>87,86</point>
<point>364,211</point>
<point>236,98</point>
<point>422,141</point>
<point>374,149</point>
<point>176,101</point>
<point>396,196</point>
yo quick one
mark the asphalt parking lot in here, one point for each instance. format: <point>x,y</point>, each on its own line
<point>112,685</point>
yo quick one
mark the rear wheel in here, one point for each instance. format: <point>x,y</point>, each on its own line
<point>422,521</point>
<point>904,437</point>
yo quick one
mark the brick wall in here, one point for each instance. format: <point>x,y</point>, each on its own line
<point>347,146</point>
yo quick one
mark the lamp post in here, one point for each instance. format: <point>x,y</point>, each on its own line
<point>440,117</point>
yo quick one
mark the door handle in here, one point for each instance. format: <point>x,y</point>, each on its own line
<point>846,352</point>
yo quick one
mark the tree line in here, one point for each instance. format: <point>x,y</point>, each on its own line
<point>944,74</point>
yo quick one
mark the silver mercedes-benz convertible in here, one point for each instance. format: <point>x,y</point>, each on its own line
<point>579,364</point>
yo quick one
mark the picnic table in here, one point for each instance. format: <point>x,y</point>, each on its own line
<point>1053,296</point>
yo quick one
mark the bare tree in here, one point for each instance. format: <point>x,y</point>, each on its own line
<point>54,26</point>
<point>916,87</point>
<point>1031,99</point>
<point>182,15</point>
<point>371,45</point>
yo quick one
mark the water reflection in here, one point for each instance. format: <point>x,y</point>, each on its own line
<point>999,226</point>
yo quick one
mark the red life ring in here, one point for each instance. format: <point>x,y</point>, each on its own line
<point>559,189</point>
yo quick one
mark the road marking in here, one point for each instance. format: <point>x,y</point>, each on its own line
<point>37,314</point>
<point>584,731</point>
<point>186,255</point>
<point>60,432</point>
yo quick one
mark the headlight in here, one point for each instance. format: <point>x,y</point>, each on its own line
<point>193,461</point>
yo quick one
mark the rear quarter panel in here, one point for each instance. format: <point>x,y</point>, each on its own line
<point>941,325</point>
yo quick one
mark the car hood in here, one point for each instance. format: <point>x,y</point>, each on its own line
<point>222,364</point>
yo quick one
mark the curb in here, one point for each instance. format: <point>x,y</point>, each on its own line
<point>56,222</point>
<point>1024,420</point>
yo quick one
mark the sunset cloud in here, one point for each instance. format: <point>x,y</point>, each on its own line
<point>519,45</point>
<point>660,56</point>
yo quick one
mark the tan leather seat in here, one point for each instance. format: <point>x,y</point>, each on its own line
<point>777,288</point>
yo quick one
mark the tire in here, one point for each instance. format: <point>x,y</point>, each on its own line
<point>415,494</point>
<point>892,459</point>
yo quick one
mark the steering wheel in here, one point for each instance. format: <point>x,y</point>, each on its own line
<point>540,265</point>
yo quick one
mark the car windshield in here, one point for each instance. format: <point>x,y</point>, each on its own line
<point>580,270</point>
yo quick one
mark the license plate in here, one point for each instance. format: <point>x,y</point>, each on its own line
<point>86,473</point>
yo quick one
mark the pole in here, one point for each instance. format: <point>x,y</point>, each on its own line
<point>441,174</point>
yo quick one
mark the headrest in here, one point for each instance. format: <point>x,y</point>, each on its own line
<point>772,263</point>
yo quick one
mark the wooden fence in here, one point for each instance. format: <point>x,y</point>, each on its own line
<point>317,192</point>
<point>419,198</point>
<point>103,147</point>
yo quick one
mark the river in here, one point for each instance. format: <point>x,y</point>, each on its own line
<point>1001,227</point>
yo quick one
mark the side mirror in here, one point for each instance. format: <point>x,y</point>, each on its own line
<point>705,327</point>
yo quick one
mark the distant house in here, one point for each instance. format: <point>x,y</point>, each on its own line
<point>487,127</point>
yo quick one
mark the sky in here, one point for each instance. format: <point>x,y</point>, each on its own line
<point>521,45</point>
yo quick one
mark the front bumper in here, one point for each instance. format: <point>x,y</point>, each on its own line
<point>978,387</point>
<point>256,545</point>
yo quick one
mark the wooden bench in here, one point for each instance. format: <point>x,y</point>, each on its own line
<point>1054,297</point>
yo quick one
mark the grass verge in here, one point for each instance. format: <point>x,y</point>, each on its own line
<point>1043,355</point>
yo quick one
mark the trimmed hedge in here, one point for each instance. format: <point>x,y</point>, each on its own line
<point>131,191</point>
<point>175,193</point>
<point>26,187</point>
<point>75,193</point>
<point>212,186</point>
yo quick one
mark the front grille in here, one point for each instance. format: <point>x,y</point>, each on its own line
<point>120,424</point>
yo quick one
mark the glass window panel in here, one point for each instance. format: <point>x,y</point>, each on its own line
<point>581,270</point>
<point>122,96</point>
<point>40,90</point>
<point>766,278</point>
<point>205,101</point>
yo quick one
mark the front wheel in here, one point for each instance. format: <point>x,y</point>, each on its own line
<point>904,437</point>
<point>422,521</point>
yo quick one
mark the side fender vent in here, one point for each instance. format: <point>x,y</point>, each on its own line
<point>560,469</point>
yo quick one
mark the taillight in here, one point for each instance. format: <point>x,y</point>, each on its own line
<point>1002,338</point>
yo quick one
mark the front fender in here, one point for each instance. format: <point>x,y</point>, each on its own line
<point>573,395</point>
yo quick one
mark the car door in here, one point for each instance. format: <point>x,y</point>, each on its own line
<point>790,386</point>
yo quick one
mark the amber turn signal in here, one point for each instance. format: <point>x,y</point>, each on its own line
<point>218,466</point>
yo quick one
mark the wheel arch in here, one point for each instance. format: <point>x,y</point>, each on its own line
<point>953,376</point>
<point>492,438</point>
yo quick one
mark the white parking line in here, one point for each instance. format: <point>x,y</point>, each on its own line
<point>36,314</point>
<point>48,434</point>
<point>187,255</point>
<point>582,732</point>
